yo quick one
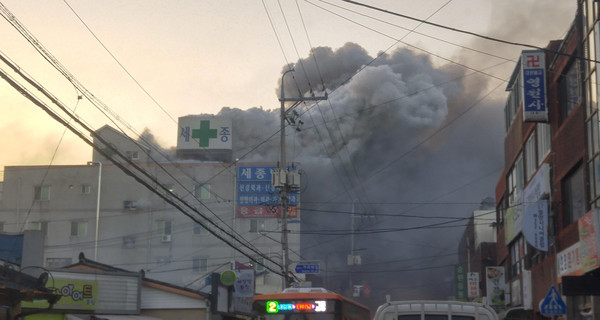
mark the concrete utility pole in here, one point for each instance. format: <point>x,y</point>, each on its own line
<point>97,206</point>
<point>286,185</point>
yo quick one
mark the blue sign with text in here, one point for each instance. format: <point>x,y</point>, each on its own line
<point>254,187</point>
<point>311,268</point>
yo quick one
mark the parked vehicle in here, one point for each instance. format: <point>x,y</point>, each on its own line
<point>434,310</point>
<point>307,304</point>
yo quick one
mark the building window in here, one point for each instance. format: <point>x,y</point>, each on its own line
<point>260,264</point>
<point>515,182</point>
<point>163,227</point>
<point>58,262</point>
<point>199,264</point>
<point>202,191</point>
<point>573,196</point>
<point>132,155</point>
<point>513,102</point>
<point>41,193</point>
<point>39,225</point>
<point>78,228</point>
<point>543,141</point>
<point>257,225</point>
<point>199,229</point>
<point>569,90</point>
<point>86,189</point>
<point>530,160</point>
<point>518,251</point>
<point>500,211</point>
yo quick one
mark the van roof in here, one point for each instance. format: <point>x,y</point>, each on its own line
<point>436,307</point>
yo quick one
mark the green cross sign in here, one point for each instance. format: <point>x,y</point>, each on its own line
<point>204,134</point>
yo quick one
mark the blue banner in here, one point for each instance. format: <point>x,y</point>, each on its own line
<point>254,187</point>
<point>533,73</point>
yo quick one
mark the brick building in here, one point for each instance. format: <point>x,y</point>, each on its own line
<point>552,167</point>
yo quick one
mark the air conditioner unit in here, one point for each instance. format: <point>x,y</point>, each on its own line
<point>165,238</point>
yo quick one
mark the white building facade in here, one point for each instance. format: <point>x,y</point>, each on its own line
<point>101,210</point>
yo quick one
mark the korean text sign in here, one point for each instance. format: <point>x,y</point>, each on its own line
<point>533,75</point>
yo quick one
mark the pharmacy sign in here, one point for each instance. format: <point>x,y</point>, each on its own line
<point>199,132</point>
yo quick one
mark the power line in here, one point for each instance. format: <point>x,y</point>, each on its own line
<point>171,200</point>
<point>512,43</point>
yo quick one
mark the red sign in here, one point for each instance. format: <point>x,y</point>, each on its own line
<point>265,212</point>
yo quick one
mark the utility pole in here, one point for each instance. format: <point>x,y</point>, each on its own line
<point>285,188</point>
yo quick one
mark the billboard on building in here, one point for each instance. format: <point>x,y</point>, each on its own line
<point>473,285</point>
<point>568,262</point>
<point>533,75</point>
<point>588,241</point>
<point>244,288</point>
<point>496,286</point>
<point>513,222</point>
<point>535,215</point>
<point>256,196</point>
<point>204,132</point>
<point>76,295</point>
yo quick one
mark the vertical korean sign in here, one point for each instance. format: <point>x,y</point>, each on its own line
<point>533,72</point>
<point>473,285</point>
<point>460,279</point>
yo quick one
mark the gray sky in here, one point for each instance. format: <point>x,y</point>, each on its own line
<point>427,155</point>
<point>199,56</point>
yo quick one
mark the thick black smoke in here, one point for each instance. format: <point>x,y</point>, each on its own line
<point>400,143</point>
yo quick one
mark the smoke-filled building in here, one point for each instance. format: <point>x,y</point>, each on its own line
<point>547,196</point>
<point>138,207</point>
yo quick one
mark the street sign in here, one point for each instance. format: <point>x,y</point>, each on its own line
<point>312,268</point>
<point>553,304</point>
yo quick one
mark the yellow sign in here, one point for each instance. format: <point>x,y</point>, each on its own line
<point>76,295</point>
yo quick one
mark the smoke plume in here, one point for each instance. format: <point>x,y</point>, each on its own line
<point>394,143</point>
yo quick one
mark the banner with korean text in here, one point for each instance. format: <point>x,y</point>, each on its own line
<point>533,76</point>
<point>588,240</point>
<point>256,195</point>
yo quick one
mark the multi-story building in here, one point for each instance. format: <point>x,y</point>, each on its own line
<point>179,219</point>
<point>477,248</point>
<point>547,197</point>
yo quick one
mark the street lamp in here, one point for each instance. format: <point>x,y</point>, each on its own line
<point>97,205</point>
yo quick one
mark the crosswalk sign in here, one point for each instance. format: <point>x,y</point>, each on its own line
<point>553,303</point>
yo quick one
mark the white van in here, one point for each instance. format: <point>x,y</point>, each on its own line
<point>434,310</point>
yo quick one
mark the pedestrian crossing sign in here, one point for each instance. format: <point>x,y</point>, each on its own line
<point>553,303</point>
